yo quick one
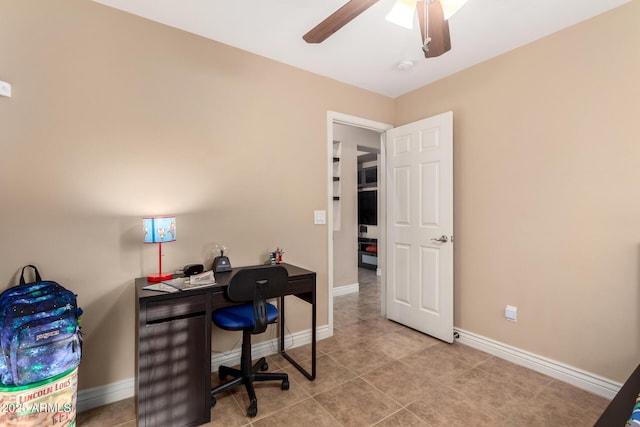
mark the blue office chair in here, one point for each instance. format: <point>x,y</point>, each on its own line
<point>253,285</point>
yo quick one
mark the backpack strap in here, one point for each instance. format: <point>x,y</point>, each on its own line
<point>38,278</point>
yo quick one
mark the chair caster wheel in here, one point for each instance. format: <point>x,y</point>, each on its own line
<point>213,401</point>
<point>252,411</point>
<point>285,385</point>
<point>264,367</point>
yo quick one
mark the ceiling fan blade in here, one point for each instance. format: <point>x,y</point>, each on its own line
<point>438,28</point>
<point>337,20</point>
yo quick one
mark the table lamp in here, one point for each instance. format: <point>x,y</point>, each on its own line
<point>159,230</point>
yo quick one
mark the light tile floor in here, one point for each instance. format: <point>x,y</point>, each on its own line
<point>376,372</point>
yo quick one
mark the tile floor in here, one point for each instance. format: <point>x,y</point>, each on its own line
<point>375,372</point>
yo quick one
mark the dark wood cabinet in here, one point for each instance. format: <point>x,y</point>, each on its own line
<point>621,407</point>
<point>173,360</point>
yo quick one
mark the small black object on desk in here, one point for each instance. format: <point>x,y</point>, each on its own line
<point>221,264</point>
<point>192,269</point>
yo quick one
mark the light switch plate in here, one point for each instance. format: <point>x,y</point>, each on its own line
<point>5,89</point>
<point>319,217</point>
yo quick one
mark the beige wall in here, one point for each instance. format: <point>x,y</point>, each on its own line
<point>345,255</point>
<point>114,117</point>
<point>547,207</point>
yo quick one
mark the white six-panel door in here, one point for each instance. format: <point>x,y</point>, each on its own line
<point>419,274</point>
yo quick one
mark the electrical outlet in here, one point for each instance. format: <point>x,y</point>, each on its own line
<point>511,313</point>
<point>5,89</point>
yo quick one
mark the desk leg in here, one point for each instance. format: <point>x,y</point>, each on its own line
<point>310,376</point>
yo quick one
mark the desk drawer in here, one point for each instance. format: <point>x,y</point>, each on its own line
<point>300,285</point>
<point>176,308</point>
<point>303,288</point>
<point>219,300</point>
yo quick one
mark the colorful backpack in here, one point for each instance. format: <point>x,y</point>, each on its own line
<point>39,331</point>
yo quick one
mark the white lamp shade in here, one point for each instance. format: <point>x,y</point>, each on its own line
<point>402,13</point>
<point>449,7</point>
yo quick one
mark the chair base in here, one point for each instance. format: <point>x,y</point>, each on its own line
<point>247,375</point>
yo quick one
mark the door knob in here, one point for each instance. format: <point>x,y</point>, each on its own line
<point>442,239</point>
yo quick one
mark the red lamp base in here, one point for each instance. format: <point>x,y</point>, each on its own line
<point>160,277</point>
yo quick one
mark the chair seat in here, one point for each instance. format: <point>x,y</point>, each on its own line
<point>241,316</point>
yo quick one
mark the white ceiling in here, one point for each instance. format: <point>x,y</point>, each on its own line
<point>366,52</point>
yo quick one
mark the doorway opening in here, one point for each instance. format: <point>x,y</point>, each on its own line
<point>356,215</point>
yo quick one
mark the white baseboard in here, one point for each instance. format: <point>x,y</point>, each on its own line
<point>569,374</point>
<point>103,395</point>
<point>346,289</point>
<point>267,348</point>
<point>109,393</point>
<point>113,392</point>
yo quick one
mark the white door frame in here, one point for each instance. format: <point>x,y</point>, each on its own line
<point>345,119</point>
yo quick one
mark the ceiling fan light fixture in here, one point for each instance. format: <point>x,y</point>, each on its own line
<point>449,7</point>
<point>402,13</point>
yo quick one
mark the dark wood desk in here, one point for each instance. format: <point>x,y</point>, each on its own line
<point>173,347</point>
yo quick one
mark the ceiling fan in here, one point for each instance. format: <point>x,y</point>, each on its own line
<point>433,19</point>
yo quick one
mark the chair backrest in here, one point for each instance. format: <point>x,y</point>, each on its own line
<point>257,284</point>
